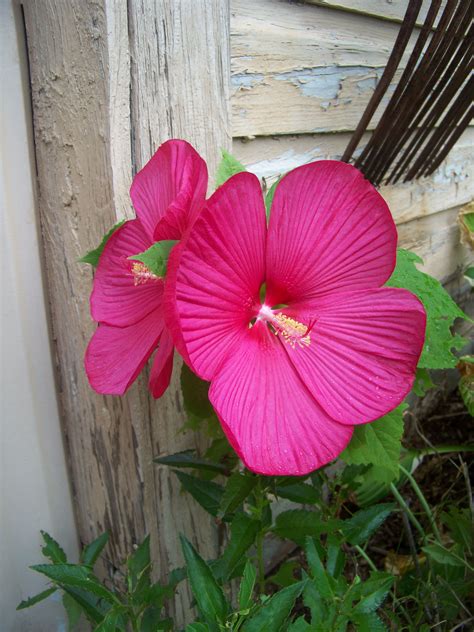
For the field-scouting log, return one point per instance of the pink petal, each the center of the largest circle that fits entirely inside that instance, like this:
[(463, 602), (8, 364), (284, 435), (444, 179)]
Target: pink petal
[(329, 230), (221, 271), (170, 189), (364, 350), (170, 308), (162, 366), (268, 414), (116, 355), (116, 299)]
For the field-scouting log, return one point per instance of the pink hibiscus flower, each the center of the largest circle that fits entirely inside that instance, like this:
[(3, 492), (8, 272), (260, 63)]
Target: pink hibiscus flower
[(127, 298), (327, 347)]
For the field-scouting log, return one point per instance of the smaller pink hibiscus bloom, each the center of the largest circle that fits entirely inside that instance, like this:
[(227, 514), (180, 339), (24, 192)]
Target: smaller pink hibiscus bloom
[(127, 298), (326, 347)]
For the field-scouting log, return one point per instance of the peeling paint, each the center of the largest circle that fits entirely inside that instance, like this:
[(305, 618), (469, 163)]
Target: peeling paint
[(271, 169), (246, 80), (326, 83)]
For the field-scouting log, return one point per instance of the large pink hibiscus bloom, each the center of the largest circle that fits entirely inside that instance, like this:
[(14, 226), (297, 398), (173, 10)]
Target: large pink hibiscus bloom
[(127, 298), (327, 347)]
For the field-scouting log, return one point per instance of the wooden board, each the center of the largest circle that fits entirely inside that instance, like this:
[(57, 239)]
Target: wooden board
[(90, 137), (298, 68), (450, 185), (393, 10)]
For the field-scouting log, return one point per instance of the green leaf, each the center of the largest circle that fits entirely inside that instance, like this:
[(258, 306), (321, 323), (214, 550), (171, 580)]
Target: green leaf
[(378, 443), (322, 579), (156, 257), (237, 488), (91, 605), (423, 382), (269, 197), (469, 274), (275, 611), (139, 563), (247, 585), (441, 311), (227, 168), (468, 220), (371, 592), (285, 576), (440, 554), (75, 575), (207, 592), (31, 601), (112, 621), (368, 622), (365, 522), (297, 524), (92, 551), (207, 493), (195, 394), (300, 625), (299, 493), (313, 600), (73, 611), (93, 256), (197, 627), (189, 459), (466, 389), (335, 556), (244, 531), (52, 550), (459, 524)]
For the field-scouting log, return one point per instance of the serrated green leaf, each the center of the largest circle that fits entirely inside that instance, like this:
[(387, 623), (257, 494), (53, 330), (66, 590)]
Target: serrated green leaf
[(195, 394), (139, 564), (370, 593), (378, 443), (247, 585), (322, 579), (227, 168), (31, 601), (91, 552), (156, 257), (52, 550), (189, 459), (207, 493), (73, 611), (365, 522), (368, 622), (297, 524), (93, 256), (94, 608), (207, 592), (298, 493), (335, 555), (441, 311), (442, 555), (275, 611), (300, 625), (313, 600), (237, 488), (112, 621), (75, 575), (244, 531)]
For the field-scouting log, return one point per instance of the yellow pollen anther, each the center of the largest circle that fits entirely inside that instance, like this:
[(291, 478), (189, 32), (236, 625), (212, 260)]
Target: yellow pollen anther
[(141, 274), (292, 331)]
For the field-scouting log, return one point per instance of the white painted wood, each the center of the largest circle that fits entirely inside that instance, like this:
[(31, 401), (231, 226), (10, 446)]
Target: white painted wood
[(451, 185), (34, 484), (393, 10), (298, 68)]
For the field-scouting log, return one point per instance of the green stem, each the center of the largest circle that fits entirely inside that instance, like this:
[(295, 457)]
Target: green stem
[(408, 511), (363, 554), (423, 501), (260, 500)]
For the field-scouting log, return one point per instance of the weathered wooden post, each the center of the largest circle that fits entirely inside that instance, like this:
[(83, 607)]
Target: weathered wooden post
[(111, 80)]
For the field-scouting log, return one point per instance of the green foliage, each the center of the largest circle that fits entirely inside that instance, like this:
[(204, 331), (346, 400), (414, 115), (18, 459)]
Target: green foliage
[(269, 197), (365, 522), (297, 524), (106, 608), (275, 611), (243, 534), (441, 311), (423, 382), (156, 257), (378, 443), (247, 586), (227, 168), (207, 592), (93, 256), (237, 489), (188, 459), (207, 493)]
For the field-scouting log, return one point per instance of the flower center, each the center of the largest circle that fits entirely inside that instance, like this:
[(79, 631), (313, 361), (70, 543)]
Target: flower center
[(142, 274), (291, 330)]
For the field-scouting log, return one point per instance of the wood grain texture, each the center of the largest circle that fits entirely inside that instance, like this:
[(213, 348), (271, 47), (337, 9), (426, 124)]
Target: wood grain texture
[(392, 10), (111, 80), (451, 185), (299, 68)]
